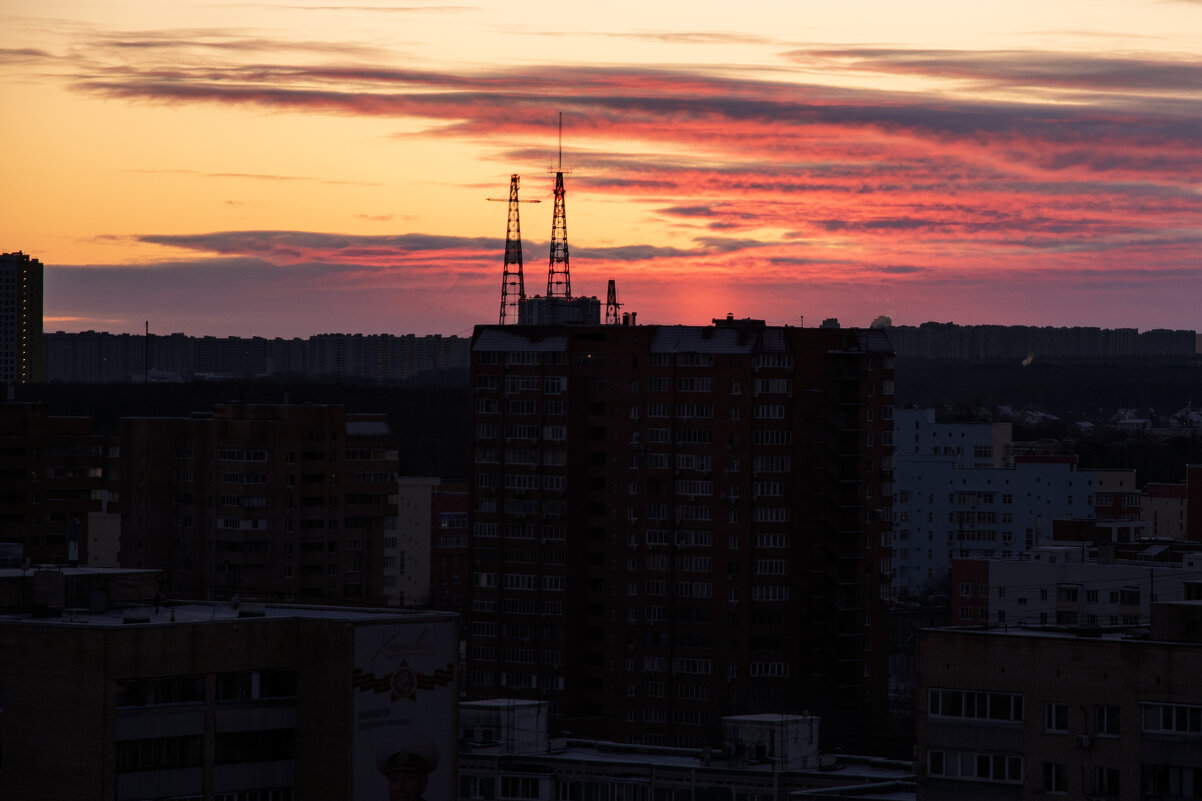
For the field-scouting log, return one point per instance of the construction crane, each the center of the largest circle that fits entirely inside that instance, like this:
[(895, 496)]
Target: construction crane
[(513, 284)]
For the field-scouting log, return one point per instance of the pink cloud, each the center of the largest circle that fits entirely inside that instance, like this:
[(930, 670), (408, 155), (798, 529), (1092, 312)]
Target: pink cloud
[(792, 194)]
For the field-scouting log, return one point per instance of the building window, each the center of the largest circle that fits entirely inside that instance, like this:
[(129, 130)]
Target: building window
[(1106, 720), (1055, 777), (1107, 782), (1055, 717), (1172, 718), (519, 787), (972, 766), (1161, 781), (160, 691), (159, 753), (255, 746), (971, 704), (481, 788)]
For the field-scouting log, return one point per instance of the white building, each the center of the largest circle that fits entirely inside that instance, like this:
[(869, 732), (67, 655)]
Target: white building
[(960, 493), (407, 556), (504, 725), (915, 433), (1066, 585), (505, 754)]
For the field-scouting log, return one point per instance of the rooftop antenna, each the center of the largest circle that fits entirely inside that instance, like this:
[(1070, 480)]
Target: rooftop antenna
[(611, 304), (513, 284), (559, 280)]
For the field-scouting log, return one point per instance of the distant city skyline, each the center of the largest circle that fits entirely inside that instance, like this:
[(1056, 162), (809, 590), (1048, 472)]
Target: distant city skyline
[(253, 169)]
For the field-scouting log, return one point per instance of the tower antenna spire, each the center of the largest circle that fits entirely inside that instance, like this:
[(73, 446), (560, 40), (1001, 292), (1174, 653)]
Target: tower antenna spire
[(559, 280), (513, 283), (611, 304)]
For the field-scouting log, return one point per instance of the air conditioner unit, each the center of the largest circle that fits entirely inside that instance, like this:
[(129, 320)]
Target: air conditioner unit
[(1083, 740)]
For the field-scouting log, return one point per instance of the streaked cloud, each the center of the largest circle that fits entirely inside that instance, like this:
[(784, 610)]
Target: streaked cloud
[(377, 9), (250, 176), (22, 55), (985, 176), (1027, 69)]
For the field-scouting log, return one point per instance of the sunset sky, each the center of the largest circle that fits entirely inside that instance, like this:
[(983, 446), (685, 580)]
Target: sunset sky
[(297, 167)]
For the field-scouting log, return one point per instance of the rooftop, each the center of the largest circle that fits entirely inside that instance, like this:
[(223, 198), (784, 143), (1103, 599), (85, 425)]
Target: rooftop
[(171, 612), (16, 572), (862, 769), (500, 703)]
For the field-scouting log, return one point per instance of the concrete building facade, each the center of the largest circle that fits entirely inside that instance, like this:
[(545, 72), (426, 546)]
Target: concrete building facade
[(54, 492), (1030, 714), (961, 493), (94, 357), (213, 701), (21, 290), (450, 558), (1067, 586), (716, 499), (278, 501), (408, 559), (506, 753)]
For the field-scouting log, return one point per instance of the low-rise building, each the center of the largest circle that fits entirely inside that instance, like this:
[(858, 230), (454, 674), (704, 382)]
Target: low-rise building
[(140, 698), (505, 754), (1175, 510), (1064, 585), (1035, 713)]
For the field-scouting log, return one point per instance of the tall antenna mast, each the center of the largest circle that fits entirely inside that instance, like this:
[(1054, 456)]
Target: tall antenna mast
[(611, 304), (559, 280), (513, 284)]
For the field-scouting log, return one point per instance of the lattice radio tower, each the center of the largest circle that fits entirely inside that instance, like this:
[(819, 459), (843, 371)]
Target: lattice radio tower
[(513, 284), (611, 304), (559, 280)]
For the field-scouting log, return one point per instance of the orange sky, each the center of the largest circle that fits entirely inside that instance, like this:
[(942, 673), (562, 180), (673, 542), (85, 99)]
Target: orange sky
[(290, 168)]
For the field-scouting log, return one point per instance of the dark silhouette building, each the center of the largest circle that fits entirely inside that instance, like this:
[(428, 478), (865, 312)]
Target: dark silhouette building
[(93, 357), (278, 501), (676, 523), (450, 560), (112, 694), (20, 319), (53, 488), (1031, 713)]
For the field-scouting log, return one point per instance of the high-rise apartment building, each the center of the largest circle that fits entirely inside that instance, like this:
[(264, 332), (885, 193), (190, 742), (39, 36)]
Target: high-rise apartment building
[(450, 561), (20, 319), (53, 492), (279, 501), (963, 493), (675, 523)]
